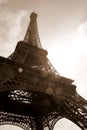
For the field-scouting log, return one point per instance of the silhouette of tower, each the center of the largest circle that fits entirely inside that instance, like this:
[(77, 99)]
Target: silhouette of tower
[(32, 94)]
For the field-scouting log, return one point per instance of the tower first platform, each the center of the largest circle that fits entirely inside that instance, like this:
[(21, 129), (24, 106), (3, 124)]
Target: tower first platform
[(32, 93)]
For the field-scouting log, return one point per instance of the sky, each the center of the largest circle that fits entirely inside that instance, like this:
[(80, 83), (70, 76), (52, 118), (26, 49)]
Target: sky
[(62, 26)]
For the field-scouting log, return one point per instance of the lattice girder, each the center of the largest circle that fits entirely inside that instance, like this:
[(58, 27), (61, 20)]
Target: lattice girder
[(22, 77), (63, 94), (76, 111), (32, 93)]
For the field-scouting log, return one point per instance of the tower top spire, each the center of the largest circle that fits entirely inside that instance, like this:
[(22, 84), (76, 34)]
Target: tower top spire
[(33, 15), (32, 35)]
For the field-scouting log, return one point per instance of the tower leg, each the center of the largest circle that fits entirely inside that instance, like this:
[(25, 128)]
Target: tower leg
[(39, 124)]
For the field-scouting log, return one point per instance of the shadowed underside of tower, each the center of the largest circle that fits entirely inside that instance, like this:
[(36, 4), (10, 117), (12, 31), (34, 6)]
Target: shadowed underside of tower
[(32, 93)]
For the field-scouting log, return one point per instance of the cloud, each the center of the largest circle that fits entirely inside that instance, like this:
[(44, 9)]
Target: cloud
[(70, 58), (10, 127), (79, 49), (3, 1), (65, 124), (10, 30)]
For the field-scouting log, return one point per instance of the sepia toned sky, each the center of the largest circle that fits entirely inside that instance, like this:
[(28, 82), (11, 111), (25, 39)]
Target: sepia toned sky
[(62, 26)]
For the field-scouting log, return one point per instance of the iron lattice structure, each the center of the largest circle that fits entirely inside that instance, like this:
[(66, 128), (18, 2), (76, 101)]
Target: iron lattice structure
[(32, 94)]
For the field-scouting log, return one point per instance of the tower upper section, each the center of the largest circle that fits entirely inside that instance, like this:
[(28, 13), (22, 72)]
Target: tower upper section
[(29, 51), (32, 35)]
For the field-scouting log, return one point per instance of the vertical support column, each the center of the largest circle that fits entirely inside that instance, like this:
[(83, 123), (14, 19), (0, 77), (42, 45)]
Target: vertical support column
[(39, 123)]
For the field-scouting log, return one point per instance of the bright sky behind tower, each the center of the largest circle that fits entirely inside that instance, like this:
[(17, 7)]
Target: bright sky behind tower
[(62, 26)]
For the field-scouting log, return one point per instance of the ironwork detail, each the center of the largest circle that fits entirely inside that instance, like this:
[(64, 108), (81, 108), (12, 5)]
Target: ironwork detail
[(32, 93), (32, 32)]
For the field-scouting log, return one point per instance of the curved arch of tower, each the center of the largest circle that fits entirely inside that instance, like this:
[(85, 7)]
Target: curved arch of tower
[(32, 93)]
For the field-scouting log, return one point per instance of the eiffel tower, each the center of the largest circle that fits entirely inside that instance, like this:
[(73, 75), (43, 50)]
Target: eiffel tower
[(33, 95)]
